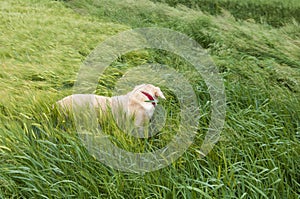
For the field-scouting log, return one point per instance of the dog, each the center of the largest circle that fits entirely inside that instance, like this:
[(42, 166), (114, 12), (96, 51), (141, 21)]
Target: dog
[(138, 104)]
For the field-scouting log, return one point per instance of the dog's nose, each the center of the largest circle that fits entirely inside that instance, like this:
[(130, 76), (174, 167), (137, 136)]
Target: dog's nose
[(160, 94)]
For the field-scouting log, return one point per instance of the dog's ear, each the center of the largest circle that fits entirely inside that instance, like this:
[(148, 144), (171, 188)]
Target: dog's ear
[(158, 93)]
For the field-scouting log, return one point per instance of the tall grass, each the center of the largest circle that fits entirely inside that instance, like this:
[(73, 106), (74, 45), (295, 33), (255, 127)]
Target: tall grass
[(273, 12), (43, 45)]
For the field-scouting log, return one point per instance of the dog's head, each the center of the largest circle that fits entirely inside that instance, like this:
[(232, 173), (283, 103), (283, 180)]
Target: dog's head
[(148, 93)]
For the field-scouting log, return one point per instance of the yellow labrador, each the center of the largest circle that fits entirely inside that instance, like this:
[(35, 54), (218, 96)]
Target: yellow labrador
[(139, 103)]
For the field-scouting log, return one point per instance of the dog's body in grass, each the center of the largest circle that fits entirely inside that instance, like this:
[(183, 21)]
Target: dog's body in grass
[(139, 103)]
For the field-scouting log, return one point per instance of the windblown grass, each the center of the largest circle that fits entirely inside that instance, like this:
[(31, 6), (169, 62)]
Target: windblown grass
[(273, 12), (42, 46)]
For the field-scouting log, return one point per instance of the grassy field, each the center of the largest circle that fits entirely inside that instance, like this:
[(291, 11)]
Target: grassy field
[(273, 12), (43, 44)]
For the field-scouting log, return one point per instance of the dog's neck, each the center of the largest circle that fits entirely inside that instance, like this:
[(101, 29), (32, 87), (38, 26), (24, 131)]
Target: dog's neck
[(150, 97)]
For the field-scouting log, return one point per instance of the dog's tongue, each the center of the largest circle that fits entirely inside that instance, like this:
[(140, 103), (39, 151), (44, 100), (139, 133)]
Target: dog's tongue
[(151, 99)]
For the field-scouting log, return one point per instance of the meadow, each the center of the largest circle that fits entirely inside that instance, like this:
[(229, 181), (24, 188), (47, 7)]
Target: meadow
[(255, 45)]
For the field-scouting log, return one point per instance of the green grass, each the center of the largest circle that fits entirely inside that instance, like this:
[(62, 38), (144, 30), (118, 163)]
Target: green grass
[(43, 44), (273, 12)]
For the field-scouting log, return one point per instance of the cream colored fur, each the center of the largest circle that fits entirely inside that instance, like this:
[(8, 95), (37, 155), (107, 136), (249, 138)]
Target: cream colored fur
[(134, 104)]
